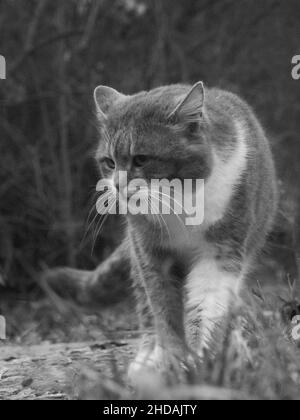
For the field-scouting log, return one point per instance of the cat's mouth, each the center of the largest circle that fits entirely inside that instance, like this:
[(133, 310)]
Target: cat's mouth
[(126, 195), (148, 201)]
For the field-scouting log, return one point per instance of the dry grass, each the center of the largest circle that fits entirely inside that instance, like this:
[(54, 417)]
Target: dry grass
[(257, 360)]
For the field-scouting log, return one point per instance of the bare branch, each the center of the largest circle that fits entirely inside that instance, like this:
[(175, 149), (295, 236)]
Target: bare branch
[(41, 6), (90, 25)]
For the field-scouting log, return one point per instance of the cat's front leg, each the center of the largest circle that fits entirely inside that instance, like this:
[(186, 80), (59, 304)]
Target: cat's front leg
[(212, 292), (145, 322), (167, 351)]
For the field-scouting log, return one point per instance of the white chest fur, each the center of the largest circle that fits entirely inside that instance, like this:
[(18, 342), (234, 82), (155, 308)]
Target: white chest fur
[(225, 176), (218, 191)]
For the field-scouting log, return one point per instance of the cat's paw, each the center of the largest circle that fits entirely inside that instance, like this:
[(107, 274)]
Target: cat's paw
[(142, 358), (171, 365)]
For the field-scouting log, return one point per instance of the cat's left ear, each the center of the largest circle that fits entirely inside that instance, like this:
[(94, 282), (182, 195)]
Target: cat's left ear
[(190, 108)]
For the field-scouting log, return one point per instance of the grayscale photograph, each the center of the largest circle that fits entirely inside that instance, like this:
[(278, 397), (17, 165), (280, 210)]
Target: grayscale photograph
[(149, 202)]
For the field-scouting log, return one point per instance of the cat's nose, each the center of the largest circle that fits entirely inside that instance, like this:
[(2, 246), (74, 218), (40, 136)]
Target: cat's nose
[(122, 192), (120, 181), (120, 188)]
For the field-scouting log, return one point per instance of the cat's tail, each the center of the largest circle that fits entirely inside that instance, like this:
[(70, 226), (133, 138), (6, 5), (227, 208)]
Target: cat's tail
[(107, 284)]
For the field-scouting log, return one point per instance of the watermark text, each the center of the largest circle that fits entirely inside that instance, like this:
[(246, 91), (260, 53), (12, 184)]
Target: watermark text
[(2, 328), (296, 67), (156, 197), (2, 67), (296, 328)]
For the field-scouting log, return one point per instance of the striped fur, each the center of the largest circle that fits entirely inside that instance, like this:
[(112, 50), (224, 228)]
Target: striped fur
[(187, 277)]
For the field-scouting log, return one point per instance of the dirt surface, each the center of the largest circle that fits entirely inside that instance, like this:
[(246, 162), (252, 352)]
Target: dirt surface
[(59, 351), (58, 371), (55, 350)]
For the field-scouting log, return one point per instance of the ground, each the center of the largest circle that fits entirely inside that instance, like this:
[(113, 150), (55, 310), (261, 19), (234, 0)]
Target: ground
[(56, 350), (49, 354), (59, 371)]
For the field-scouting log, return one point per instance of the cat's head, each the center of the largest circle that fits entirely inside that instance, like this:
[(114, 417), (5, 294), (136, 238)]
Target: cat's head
[(159, 134)]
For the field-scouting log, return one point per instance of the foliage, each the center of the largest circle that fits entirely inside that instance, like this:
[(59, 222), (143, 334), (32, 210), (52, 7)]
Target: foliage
[(57, 52)]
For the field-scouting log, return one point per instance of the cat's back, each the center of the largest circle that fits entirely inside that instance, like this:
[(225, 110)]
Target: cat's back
[(230, 112)]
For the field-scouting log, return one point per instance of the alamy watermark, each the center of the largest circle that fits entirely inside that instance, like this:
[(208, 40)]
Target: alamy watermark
[(2, 67), (2, 328), (158, 197), (296, 67), (296, 328)]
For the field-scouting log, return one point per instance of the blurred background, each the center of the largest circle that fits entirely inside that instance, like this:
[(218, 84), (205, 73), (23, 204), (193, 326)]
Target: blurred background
[(57, 52)]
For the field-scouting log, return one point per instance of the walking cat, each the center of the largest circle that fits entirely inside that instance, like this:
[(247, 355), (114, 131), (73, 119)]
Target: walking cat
[(188, 280)]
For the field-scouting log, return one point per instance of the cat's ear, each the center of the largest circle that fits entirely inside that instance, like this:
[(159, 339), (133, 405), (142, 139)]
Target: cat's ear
[(105, 97), (190, 108)]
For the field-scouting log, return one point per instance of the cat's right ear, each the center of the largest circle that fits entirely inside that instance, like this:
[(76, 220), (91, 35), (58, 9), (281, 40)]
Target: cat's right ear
[(105, 97)]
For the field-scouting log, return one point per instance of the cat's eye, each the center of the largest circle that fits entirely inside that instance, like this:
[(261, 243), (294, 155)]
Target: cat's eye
[(109, 163), (140, 160), (193, 128)]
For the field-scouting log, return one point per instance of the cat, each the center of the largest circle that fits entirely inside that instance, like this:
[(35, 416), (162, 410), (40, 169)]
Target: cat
[(187, 278)]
